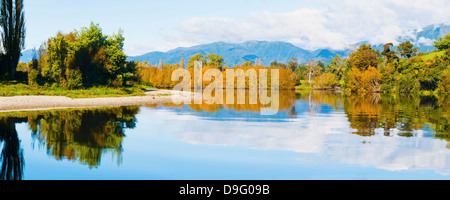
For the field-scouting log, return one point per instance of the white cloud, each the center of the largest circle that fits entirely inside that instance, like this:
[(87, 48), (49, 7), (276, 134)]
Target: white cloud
[(425, 41), (325, 139), (334, 24)]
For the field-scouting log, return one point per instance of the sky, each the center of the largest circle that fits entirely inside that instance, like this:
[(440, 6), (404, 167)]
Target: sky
[(164, 25)]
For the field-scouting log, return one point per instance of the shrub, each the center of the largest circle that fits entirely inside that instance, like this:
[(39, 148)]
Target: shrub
[(33, 77), (444, 84), (74, 79), (408, 84), (326, 81)]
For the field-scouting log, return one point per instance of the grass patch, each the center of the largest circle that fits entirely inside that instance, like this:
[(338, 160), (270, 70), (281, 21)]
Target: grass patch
[(431, 56), (20, 89), (304, 86)]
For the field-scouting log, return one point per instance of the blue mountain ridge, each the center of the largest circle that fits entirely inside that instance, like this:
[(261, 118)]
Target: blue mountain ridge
[(269, 51), (235, 54)]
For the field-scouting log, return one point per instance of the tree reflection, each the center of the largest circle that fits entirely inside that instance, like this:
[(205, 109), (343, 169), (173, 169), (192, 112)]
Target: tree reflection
[(404, 113), (12, 161), (363, 113), (76, 135), (242, 103), (84, 135)]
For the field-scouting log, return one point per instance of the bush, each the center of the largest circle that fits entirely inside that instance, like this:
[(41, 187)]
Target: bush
[(444, 84), (326, 81), (74, 79), (408, 84), (34, 78)]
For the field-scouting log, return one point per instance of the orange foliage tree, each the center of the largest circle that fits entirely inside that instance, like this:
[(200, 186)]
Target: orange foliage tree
[(362, 74), (161, 77)]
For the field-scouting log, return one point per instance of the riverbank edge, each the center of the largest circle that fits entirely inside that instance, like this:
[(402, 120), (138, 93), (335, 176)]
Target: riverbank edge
[(39, 103)]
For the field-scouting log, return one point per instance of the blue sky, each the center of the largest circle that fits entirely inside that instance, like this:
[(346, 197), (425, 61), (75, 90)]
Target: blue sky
[(164, 25)]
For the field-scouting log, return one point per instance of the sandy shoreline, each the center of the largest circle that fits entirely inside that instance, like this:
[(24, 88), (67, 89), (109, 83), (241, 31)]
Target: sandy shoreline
[(32, 103)]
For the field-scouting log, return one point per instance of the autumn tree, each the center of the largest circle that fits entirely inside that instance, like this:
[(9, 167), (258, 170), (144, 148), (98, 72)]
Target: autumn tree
[(12, 22), (313, 70), (325, 81), (247, 64), (363, 75)]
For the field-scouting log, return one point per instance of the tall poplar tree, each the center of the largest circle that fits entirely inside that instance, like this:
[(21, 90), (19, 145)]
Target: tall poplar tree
[(12, 22)]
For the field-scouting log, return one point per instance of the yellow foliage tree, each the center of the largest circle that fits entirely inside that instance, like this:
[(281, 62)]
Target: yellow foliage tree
[(325, 81), (363, 81)]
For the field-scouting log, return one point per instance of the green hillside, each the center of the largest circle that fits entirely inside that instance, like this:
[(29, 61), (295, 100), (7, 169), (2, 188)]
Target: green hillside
[(433, 55)]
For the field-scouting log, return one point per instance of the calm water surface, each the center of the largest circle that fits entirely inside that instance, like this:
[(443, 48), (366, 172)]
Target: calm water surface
[(314, 136)]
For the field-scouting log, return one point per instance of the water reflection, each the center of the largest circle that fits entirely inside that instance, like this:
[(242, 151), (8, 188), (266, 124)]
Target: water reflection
[(83, 135), (386, 131), (12, 160), (244, 111), (401, 115), (75, 135)]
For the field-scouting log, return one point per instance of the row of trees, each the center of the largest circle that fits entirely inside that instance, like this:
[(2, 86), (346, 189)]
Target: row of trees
[(160, 76), (394, 71), (89, 58)]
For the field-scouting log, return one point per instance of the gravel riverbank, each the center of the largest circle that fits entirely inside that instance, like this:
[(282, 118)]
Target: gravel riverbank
[(29, 103)]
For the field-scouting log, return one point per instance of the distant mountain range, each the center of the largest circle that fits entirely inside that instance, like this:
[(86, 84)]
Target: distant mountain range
[(239, 53), (274, 50)]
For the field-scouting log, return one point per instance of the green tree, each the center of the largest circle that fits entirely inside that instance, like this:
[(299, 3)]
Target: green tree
[(388, 53), (407, 50), (114, 49), (443, 43), (12, 21), (444, 84), (58, 52), (215, 60), (277, 64), (293, 64), (337, 67), (198, 57), (363, 58), (85, 58)]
